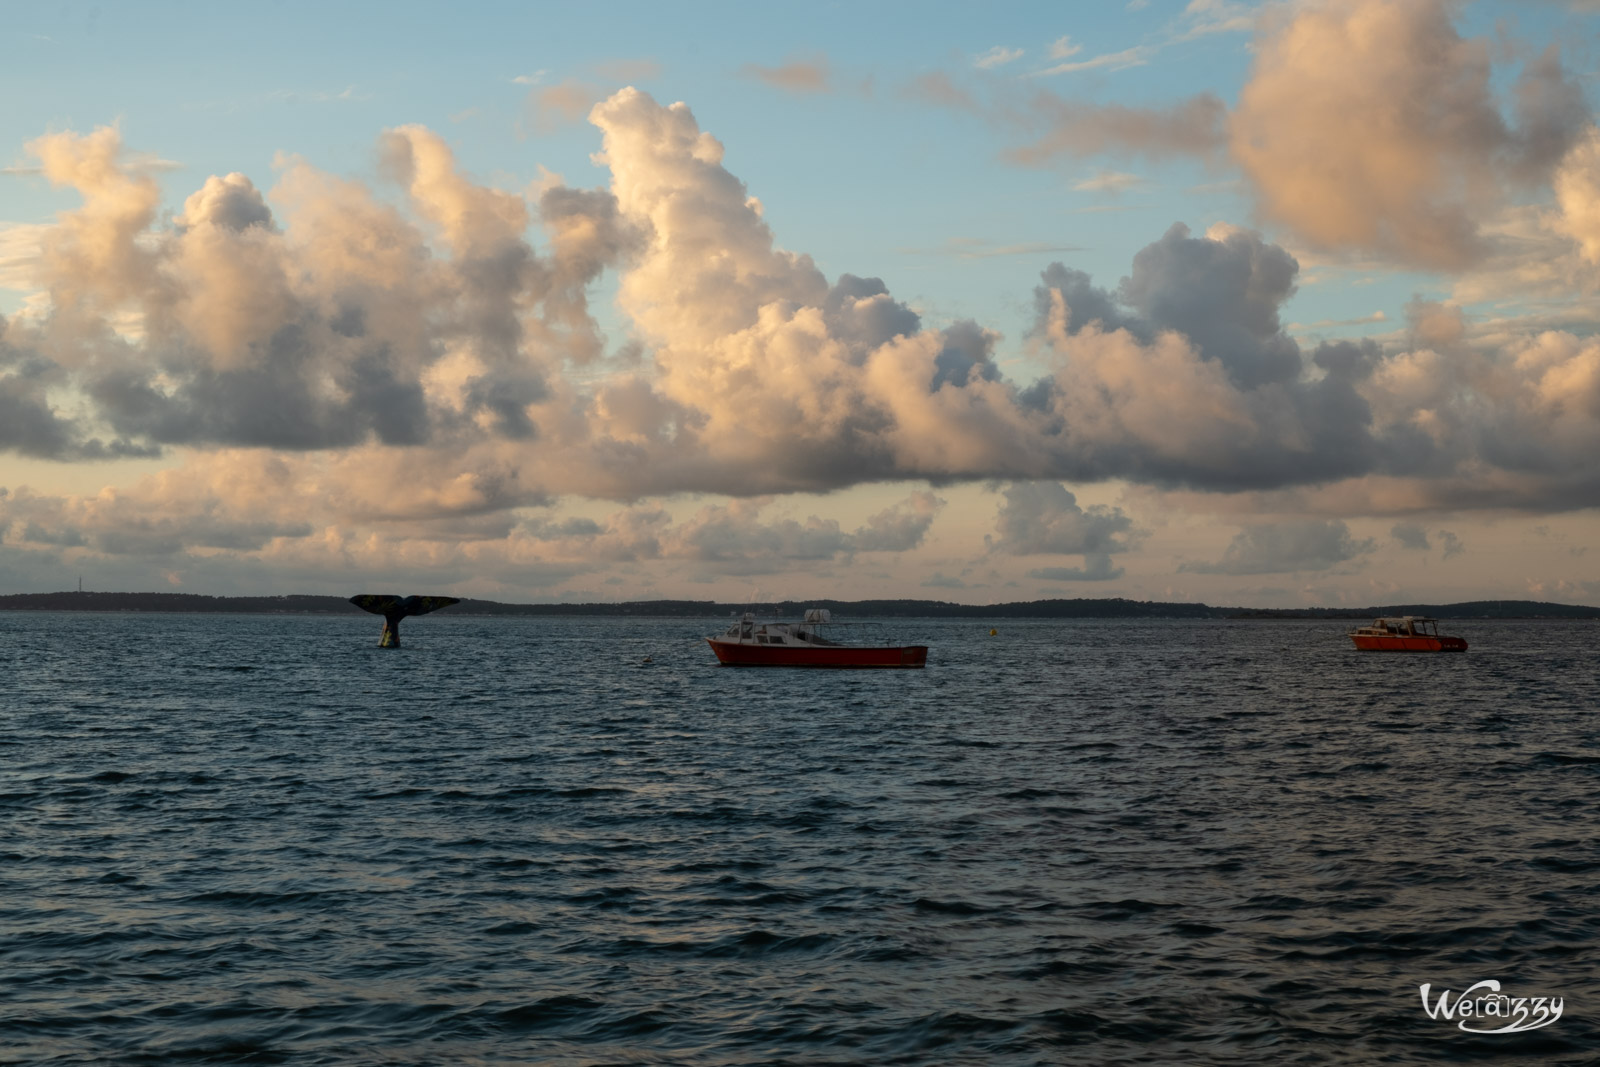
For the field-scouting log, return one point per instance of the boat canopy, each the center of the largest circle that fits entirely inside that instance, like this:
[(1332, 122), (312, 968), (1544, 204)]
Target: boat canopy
[(1404, 625), (818, 615)]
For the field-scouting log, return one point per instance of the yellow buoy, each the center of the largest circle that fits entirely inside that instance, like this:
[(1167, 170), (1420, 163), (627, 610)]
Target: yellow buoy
[(993, 633)]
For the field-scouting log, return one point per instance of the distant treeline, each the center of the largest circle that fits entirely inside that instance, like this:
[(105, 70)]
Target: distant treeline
[(1116, 608)]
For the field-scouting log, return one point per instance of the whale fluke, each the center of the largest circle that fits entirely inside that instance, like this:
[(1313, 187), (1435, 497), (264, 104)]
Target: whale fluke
[(394, 608)]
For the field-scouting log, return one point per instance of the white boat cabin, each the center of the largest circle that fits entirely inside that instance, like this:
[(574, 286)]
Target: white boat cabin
[(1406, 626), (804, 634)]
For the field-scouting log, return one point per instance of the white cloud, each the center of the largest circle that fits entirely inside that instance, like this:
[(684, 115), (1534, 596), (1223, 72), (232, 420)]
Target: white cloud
[(1063, 48), (998, 56), (1205, 17), (1110, 181), (1136, 56)]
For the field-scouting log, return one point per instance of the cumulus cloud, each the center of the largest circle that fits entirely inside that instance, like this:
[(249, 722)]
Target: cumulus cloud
[(1577, 186), (1373, 125), (328, 330), (1185, 374), (1281, 548), (1366, 127), (425, 353)]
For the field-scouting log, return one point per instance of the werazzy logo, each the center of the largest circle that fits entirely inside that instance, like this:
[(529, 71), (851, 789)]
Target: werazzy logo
[(1484, 1005)]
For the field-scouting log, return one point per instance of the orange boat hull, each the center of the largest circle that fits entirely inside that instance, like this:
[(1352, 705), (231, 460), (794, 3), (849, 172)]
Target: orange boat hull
[(1401, 643), (734, 654)]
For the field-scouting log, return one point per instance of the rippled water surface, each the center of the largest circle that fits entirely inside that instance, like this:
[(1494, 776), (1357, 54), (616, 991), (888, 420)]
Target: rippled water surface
[(261, 839)]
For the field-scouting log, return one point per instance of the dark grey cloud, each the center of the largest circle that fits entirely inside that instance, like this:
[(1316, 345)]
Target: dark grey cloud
[(1302, 417), (1222, 294), (899, 528), (1285, 547), (965, 357), (728, 537), (736, 540), (1097, 567), (1411, 535), (1043, 518), (29, 424), (123, 526), (278, 402), (1084, 303), (861, 313)]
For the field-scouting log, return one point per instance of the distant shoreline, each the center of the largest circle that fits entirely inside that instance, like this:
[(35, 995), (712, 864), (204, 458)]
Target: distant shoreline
[(1116, 608)]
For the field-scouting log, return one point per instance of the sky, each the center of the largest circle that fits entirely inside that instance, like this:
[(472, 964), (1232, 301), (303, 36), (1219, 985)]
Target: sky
[(1266, 304)]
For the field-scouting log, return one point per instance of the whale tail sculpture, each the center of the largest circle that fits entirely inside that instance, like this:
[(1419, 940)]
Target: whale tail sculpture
[(394, 608)]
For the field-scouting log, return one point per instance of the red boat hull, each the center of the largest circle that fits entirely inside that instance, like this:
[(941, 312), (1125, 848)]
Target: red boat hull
[(1404, 643), (734, 654)]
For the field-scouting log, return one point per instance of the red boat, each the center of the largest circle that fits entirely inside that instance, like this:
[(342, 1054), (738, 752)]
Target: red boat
[(748, 643), (1413, 633)]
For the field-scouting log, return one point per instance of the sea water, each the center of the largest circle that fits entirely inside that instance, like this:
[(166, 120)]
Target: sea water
[(261, 839)]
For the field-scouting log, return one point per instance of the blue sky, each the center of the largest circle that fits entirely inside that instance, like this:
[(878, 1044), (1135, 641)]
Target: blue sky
[(884, 141)]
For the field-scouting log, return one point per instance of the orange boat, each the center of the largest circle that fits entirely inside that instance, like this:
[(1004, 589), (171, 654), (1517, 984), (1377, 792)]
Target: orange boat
[(1412, 633), (748, 643)]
